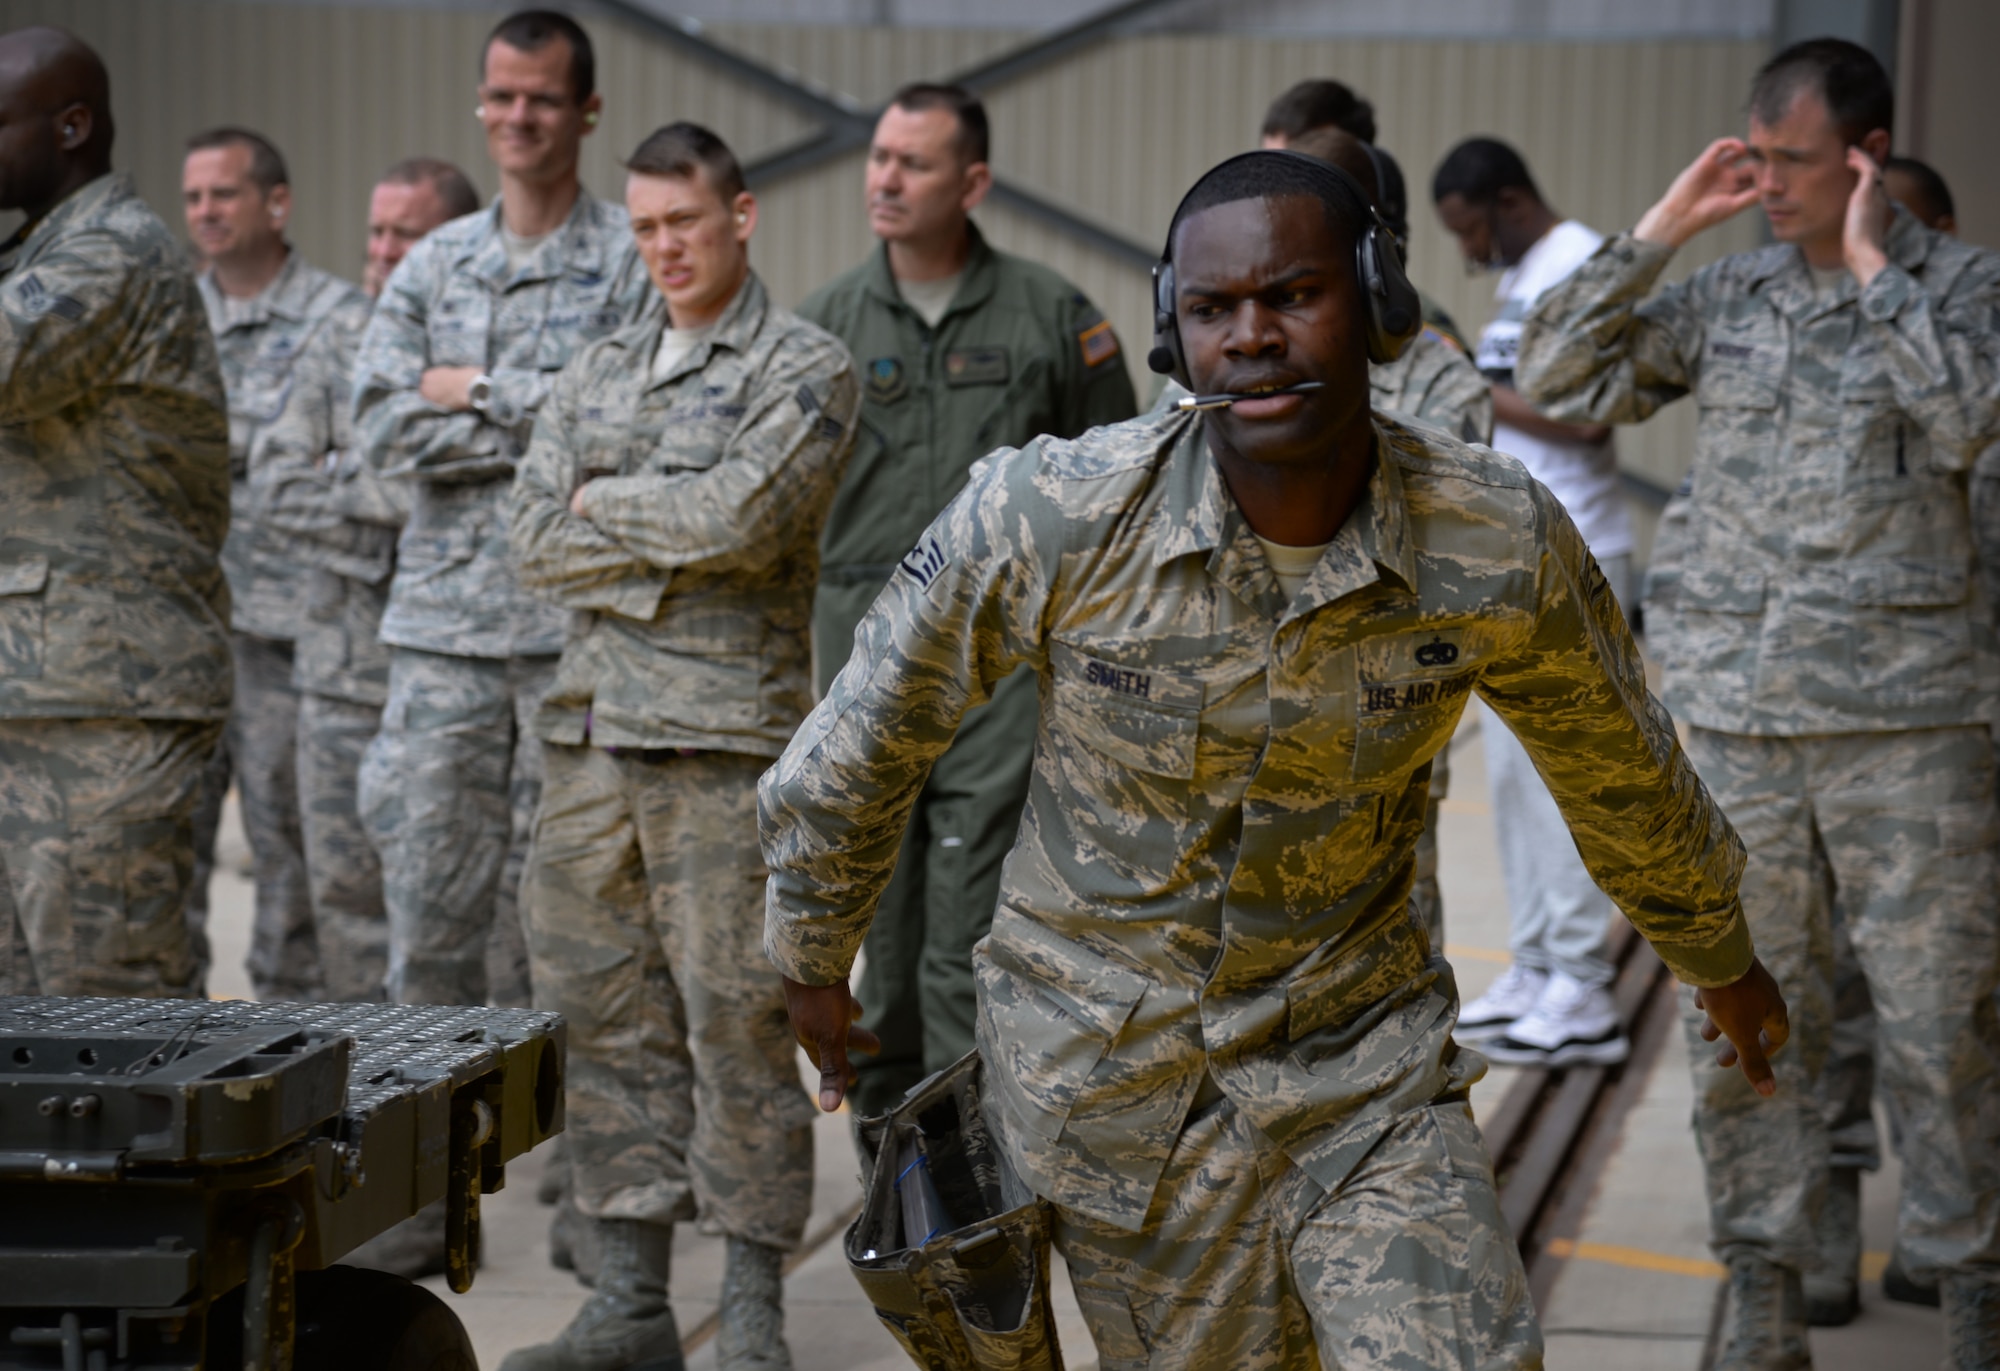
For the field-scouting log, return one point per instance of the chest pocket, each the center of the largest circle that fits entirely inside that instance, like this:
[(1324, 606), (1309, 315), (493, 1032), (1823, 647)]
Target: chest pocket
[(696, 433), (1401, 724), (1742, 365), (1138, 717), (459, 326)]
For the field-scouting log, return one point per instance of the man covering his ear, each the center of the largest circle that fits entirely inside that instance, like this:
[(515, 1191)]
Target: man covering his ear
[(1213, 1039)]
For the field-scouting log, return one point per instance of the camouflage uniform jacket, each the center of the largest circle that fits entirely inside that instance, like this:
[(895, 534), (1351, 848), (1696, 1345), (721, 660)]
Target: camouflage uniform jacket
[(1020, 352), (1826, 583), (453, 302), (338, 516), (694, 565), (1433, 382), (260, 342), (1214, 869), (114, 471)]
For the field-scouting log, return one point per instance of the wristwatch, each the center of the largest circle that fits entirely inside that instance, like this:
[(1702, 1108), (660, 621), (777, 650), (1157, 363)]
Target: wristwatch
[(480, 393)]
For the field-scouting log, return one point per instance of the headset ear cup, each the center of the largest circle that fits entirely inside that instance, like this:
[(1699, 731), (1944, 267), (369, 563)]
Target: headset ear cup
[(1395, 312), (1165, 358)]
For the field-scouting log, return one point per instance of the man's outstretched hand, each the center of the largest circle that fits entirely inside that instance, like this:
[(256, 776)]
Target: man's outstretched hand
[(1750, 1012), (823, 1020)]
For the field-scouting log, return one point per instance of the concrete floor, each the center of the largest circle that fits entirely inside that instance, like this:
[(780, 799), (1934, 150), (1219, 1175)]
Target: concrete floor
[(1637, 1291)]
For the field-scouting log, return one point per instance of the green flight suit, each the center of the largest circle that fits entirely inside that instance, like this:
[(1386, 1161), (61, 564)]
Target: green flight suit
[(1019, 352)]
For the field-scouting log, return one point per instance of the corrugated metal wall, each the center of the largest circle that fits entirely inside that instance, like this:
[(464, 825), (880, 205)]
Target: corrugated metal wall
[(1116, 133)]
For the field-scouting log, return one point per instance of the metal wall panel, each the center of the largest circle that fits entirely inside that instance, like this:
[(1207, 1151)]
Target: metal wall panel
[(1116, 133)]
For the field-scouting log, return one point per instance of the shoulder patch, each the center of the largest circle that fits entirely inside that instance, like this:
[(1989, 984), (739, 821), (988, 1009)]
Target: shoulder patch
[(1098, 342), (41, 301), (924, 563)]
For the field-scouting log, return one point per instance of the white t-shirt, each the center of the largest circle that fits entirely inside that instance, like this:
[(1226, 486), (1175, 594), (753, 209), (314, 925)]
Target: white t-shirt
[(675, 345), (1584, 476), (1293, 566), (930, 299)]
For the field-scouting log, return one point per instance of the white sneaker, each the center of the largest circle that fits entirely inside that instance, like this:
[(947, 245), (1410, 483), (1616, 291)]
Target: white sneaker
[(1573, 1024), (1518, 991)]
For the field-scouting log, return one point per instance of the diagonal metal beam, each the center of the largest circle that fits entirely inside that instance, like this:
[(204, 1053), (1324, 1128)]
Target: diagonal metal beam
[(847, 126)]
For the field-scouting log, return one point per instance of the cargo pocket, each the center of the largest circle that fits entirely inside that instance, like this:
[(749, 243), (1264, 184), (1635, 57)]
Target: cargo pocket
[(21, 587), (1912, 631), (1966, 828), (128, 905), (1050, 1009)]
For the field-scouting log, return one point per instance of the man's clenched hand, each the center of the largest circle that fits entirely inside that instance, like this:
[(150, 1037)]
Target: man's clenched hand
[(823, 1020), (1750, 1011)]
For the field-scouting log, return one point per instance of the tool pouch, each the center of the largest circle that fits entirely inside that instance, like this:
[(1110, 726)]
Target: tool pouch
[(972, 1295)]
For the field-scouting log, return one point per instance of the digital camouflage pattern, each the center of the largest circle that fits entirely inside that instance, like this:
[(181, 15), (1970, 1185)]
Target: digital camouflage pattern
[(683, 1087), (114, 471), (97, 854), (339, 519), (1827, 582), (1899, 827), (1435, 383), (454, 302), (447, 790), (263, 736), (694, 561), (692, 565), (1215, 864), (1251, 1265), (261, 341), (1986, 523)]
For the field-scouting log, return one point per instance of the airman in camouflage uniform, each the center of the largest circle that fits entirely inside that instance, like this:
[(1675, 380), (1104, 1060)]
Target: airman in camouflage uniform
[(114, 502), (1434, 383), (261, 341), (675, 506), (448, 787), (1833, 655), (1214, 1039), (1014, 351), (340, 520)]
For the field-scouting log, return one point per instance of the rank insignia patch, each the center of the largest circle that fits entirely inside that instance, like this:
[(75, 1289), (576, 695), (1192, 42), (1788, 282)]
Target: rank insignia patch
[(886, 381), (1099, 343)]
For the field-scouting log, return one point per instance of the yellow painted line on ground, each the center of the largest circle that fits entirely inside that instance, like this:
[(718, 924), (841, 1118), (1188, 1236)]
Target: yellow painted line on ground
[(1636, 1258), (1639, 1259), (1461, 953)]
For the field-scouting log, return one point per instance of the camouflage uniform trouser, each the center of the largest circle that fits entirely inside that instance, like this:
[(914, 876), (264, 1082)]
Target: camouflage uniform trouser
[(97, 854), (1246, 1263), (448, 791), (916, 983), (1901, 829), (346, 875), (264, 747), (646, 931)]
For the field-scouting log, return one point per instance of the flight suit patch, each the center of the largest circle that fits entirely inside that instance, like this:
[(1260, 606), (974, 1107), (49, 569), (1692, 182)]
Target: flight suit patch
[(1098, 342), (886, 381), (977, 367)]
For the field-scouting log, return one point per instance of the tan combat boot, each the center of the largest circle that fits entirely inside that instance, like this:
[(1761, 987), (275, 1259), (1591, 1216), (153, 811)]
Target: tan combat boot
[(752, 1335), (1833, 1281), (1767, 1318), (626, 1324)]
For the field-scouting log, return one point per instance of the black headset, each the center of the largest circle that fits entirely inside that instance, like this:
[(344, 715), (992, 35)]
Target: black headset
[(1395, 313)]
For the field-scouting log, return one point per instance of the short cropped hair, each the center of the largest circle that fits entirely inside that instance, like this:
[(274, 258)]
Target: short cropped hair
[(686, 152), (1845, 75), (1479, 169), (1930, 186), (1271, 173), (975, 136), (267, 164), (533, 30), (454, 188), (1345, 151), (1319, 104)]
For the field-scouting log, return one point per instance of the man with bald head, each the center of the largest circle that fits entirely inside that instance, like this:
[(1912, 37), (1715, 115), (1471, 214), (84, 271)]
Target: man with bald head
[(114, 500)]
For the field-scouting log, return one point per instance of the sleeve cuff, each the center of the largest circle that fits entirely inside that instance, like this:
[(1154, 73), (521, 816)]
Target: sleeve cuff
[(1886, 295), (819, 966), (637, 599), (1722, 961)]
